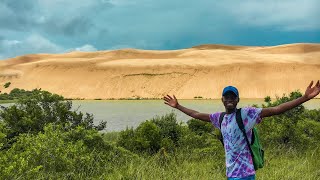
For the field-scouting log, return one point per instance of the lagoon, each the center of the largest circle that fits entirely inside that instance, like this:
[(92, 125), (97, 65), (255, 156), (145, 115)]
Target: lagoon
[(120, 114)]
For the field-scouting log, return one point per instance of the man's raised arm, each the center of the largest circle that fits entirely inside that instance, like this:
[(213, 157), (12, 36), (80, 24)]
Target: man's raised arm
[(173, 102), (310, 93)]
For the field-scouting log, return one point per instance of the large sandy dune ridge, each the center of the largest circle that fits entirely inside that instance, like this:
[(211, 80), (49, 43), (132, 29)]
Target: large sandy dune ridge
[(198, 71)]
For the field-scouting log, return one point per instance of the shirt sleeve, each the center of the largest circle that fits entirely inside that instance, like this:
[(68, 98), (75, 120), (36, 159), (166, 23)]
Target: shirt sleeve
[(214, 118), (251, 116)]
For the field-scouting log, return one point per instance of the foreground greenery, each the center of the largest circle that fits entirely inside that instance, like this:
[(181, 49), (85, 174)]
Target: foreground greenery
[(42, 138)]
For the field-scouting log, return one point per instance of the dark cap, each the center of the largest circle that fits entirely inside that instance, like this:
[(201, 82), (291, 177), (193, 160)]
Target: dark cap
[(230, 89)]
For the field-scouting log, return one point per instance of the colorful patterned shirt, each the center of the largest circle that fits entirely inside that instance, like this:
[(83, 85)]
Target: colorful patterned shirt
[(238, 158)]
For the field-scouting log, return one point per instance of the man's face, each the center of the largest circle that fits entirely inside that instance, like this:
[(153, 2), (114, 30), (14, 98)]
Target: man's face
[(230, 100)]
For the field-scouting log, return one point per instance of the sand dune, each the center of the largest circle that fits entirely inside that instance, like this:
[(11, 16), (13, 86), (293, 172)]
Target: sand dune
[(198, 71)]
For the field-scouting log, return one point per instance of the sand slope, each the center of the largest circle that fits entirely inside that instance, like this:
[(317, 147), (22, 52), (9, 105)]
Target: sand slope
[(198, 71)]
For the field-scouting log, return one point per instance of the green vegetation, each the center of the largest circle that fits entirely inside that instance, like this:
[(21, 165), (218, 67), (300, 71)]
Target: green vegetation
[(41, 138), (7, 101), (6, 85), (15, 94), (198, 97), (153, 74)]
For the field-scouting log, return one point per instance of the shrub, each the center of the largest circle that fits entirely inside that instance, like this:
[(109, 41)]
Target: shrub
[(58, 153), (191, 140), (199, 127), (169, 128), (295, 128), (145, 139), (148, 137), (30, 114), (151, 135)]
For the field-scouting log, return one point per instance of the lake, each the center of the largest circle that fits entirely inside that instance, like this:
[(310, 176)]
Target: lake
[(120, 114)]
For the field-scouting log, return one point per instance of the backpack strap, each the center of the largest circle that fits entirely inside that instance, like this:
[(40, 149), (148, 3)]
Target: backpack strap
[(221, 119), (220, 122), (241, 126)]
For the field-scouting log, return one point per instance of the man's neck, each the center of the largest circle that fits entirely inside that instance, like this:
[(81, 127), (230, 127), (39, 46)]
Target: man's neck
[(230, 111)]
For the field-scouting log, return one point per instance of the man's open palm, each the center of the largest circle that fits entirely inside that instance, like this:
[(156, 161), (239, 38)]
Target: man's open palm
[(312, 92), (173, 102)]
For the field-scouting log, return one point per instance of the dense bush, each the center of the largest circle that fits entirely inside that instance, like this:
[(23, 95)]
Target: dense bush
[(145, 139), (150, 136), (169, 127), (56, 152), (200, 127), (31, 113), (191, 140), (15, 93), (296, 127), (166, 133)]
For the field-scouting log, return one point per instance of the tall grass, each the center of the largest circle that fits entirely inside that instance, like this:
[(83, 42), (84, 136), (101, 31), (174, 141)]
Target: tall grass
[(283, 163)]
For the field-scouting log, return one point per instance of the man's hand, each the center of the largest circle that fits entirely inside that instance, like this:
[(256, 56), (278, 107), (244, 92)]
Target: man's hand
[(312, 92), (173, 102)]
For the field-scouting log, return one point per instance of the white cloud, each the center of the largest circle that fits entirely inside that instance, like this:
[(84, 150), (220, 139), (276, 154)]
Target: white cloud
[(86, 48), (288, 15), (34, 43), (10, 43), (41, 44)]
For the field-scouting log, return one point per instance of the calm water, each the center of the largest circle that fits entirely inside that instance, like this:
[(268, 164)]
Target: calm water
[(130, 113)]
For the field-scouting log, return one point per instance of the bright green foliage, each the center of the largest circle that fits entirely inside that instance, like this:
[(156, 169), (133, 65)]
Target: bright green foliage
[(148, 137), (169, 128), (165, 132), (199, 127), (167, 144), (56, 152), (15, 93), (191, 140), (293, 113), (313, 114), (151, 135), (3, 134), (127, 139), (296, 127), (31, 113), (145, 139)]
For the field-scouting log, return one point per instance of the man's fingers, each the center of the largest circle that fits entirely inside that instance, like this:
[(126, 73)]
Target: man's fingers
[(169, 96), (317, 84), (310, 85), (174, 97), (166, 99)]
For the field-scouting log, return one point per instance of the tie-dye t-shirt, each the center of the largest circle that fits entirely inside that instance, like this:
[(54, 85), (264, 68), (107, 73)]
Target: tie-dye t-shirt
[(238, 158)]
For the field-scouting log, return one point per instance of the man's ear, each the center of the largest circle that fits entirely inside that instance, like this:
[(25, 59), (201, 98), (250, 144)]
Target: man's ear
[(222, 99), (238, 99)]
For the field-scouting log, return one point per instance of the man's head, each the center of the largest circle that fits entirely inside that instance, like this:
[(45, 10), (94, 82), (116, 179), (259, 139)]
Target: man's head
[(230, 97)]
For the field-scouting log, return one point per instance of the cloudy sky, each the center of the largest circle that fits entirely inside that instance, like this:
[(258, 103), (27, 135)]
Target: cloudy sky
[(58, 26)]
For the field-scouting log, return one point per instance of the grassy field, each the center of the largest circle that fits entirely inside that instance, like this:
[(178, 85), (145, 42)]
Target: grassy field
[(281, 163), (7, 101)]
